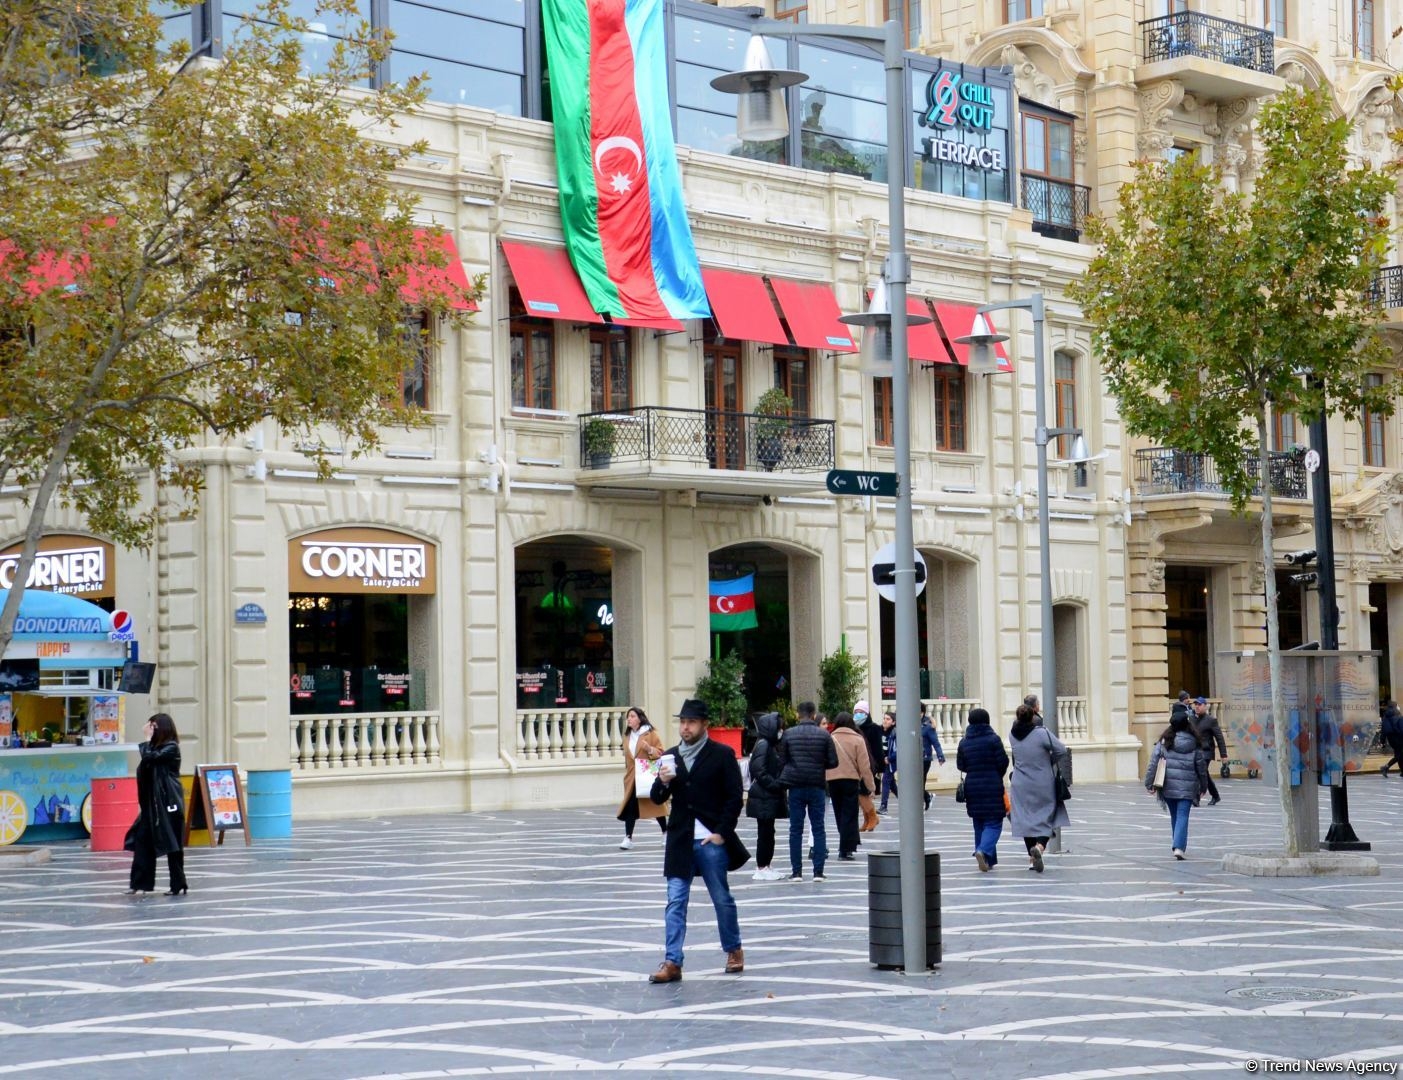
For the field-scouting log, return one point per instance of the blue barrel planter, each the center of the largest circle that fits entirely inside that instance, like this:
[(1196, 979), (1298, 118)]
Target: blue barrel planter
[(270, 804)]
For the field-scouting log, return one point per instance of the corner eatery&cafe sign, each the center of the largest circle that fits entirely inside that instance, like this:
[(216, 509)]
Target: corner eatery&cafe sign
[(360, 560)]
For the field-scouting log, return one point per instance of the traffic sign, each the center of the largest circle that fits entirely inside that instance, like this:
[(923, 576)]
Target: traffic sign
[(852, 482), (884, 572)]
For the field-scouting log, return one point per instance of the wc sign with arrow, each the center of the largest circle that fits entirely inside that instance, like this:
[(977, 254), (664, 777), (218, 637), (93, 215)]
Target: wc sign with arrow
[(853, 482)]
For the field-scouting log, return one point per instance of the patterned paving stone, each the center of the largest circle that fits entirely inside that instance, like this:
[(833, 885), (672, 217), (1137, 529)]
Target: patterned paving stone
[(519, 944)]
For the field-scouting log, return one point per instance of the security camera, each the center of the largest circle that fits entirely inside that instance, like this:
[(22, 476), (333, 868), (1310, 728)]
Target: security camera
[(1309, 578), (1300, 558)]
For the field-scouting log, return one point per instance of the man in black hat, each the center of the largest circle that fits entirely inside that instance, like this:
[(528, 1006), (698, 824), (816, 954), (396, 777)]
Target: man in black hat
[(702, 778)]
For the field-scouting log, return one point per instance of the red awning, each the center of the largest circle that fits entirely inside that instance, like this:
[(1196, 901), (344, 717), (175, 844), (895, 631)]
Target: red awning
[(35, 276), (547, 282), (812, 312), (450, 278), (742, 307), (957, 320), (923, 342), (550, 288)]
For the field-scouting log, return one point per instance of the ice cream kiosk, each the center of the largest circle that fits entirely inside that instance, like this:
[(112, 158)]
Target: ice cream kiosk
[(62, 713)]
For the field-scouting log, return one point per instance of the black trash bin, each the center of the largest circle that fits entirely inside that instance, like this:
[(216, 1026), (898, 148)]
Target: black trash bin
[(884, 938)]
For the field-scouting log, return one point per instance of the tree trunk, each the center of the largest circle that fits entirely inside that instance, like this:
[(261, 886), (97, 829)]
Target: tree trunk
[(38, 512), (1290, 829)]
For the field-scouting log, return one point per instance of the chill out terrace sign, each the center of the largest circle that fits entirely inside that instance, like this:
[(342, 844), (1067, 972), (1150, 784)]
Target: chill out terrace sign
[(963, 107), (354, 560)]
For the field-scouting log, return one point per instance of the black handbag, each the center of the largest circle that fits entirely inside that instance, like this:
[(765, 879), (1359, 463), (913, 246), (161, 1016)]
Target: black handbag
[(960, 789), (1060, 787)]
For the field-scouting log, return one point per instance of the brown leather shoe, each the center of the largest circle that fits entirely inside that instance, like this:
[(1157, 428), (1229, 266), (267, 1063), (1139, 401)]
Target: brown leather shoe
[(667, 972), (735, 961)]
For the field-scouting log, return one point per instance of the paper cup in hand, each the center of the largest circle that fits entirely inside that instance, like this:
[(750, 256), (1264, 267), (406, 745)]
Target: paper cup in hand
[(667, 766)]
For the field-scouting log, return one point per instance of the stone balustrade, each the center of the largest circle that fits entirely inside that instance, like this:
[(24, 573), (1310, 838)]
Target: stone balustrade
[(365, 741), (563, 735)]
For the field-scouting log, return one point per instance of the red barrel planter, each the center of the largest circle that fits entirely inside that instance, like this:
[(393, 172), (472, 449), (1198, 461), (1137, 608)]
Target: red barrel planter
[(727, 736), (114, 810)]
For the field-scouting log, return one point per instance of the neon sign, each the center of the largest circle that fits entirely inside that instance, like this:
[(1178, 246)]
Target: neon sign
[(954, 101)]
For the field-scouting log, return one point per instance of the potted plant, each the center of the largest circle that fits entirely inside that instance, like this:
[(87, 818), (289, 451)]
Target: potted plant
[(841, 676), (598, 438), (773, 411), (723, 690)]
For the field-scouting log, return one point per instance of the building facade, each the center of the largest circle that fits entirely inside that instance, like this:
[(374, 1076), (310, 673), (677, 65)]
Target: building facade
[(461, 620)]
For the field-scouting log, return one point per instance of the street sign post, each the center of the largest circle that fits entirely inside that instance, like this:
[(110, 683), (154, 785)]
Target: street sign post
[(884, 572), (853, 482)]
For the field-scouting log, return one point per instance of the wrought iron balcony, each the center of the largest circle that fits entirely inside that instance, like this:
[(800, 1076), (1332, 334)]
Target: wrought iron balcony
[(1059, 208), (1192, 33), (710, 438), (1387, 290), (1164, 471)]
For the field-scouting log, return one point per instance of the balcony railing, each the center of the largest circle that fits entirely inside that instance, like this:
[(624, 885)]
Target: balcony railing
[(711, 438), (1192, 33), (1165, 471), (1387, 290), (1059, 208)]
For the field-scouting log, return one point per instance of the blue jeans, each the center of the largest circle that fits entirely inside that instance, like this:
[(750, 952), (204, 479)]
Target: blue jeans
[(1179, 821), (888, 786), (986, 837), (814, 801), (709, 861)]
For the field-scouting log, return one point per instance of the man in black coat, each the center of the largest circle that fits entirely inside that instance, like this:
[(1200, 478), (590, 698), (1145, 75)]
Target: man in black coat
[(1391, 728), (806, 753), (1210, 737), (702, 778)]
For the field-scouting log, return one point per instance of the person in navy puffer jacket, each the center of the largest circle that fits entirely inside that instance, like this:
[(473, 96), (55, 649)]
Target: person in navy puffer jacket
[(1185, 775), (982, 758)]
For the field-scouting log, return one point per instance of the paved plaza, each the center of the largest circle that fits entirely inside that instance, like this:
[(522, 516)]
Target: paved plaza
[(486, 944)]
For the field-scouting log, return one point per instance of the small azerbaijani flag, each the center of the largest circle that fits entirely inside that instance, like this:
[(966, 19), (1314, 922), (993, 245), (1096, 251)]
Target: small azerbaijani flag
[(621, 201), (733, 604)]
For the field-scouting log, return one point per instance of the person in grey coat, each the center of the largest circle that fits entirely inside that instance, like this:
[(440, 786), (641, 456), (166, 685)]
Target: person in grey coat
[(1185, 775), (1035, 810)]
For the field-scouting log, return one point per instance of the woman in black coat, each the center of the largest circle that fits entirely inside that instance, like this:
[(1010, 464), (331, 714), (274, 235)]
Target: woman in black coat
[(160, 823), (983, 760), (767, 800)]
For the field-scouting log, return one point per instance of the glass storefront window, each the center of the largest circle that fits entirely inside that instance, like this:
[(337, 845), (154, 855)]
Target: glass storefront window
[(429, 37), (565, 627), (706, 118), (350, 653)]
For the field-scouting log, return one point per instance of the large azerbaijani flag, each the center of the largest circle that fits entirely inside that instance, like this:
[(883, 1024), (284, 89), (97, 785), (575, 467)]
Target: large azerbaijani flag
[(733, 604), (620, 188)]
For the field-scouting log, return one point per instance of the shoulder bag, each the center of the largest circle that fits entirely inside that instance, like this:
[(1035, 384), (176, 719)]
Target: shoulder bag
[(1060, 787), (960, 789)]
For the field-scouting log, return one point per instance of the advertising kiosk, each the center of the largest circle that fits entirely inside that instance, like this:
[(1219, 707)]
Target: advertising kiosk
[(61, 714)]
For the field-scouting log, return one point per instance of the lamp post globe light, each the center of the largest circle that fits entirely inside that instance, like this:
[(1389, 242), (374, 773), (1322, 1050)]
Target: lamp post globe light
[(981, 340), (762, 109)]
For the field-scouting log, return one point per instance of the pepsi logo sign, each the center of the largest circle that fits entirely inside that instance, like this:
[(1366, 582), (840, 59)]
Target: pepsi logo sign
[(123, 628)]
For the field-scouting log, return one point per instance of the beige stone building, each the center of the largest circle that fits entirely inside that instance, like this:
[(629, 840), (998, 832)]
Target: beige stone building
[(1148, 80), (461, 620)]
